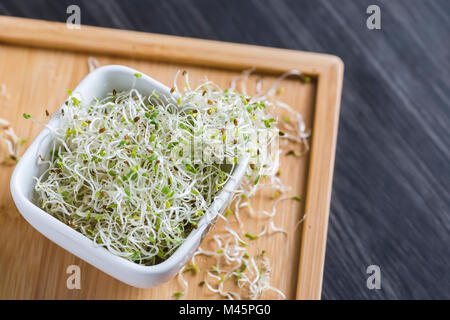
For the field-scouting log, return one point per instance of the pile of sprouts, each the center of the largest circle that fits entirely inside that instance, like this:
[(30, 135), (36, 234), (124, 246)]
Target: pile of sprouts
[(123, 170), (233, 263), (137, 173)]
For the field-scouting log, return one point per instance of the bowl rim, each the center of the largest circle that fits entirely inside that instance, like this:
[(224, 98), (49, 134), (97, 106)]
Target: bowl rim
[(24, 203)]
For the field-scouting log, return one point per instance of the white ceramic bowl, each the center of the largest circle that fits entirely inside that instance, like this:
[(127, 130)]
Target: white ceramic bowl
[(97, 84)]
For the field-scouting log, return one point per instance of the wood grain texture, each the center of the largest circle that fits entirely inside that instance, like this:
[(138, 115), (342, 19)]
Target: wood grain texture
[(51, 66), (391, 201)]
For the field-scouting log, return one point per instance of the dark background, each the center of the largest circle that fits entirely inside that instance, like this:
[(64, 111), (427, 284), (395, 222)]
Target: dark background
[(391, 193)]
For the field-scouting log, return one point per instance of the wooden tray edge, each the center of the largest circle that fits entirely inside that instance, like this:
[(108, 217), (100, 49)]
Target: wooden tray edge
[(134, 44), (319, 183)]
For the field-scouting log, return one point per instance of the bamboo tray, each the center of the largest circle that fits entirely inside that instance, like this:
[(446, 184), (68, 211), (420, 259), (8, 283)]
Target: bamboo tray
[(40, 60)]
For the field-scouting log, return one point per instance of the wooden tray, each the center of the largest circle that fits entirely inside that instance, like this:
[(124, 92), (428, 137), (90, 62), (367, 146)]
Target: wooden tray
[(40, 60)]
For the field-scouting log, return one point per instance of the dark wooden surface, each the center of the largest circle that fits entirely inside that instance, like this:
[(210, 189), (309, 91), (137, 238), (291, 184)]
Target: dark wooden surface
[(391, 191)]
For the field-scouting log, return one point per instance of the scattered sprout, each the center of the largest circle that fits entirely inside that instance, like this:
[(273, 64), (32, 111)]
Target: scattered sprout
[(251, 236), (294, 153), (228, 212), (306, 78), (275, 195), (12, 141), (194, 268)]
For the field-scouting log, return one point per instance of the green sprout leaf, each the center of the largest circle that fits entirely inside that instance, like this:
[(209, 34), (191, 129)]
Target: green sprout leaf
[(251, 236)]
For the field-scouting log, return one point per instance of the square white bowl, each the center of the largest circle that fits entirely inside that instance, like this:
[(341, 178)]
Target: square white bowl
[(97, 84)]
